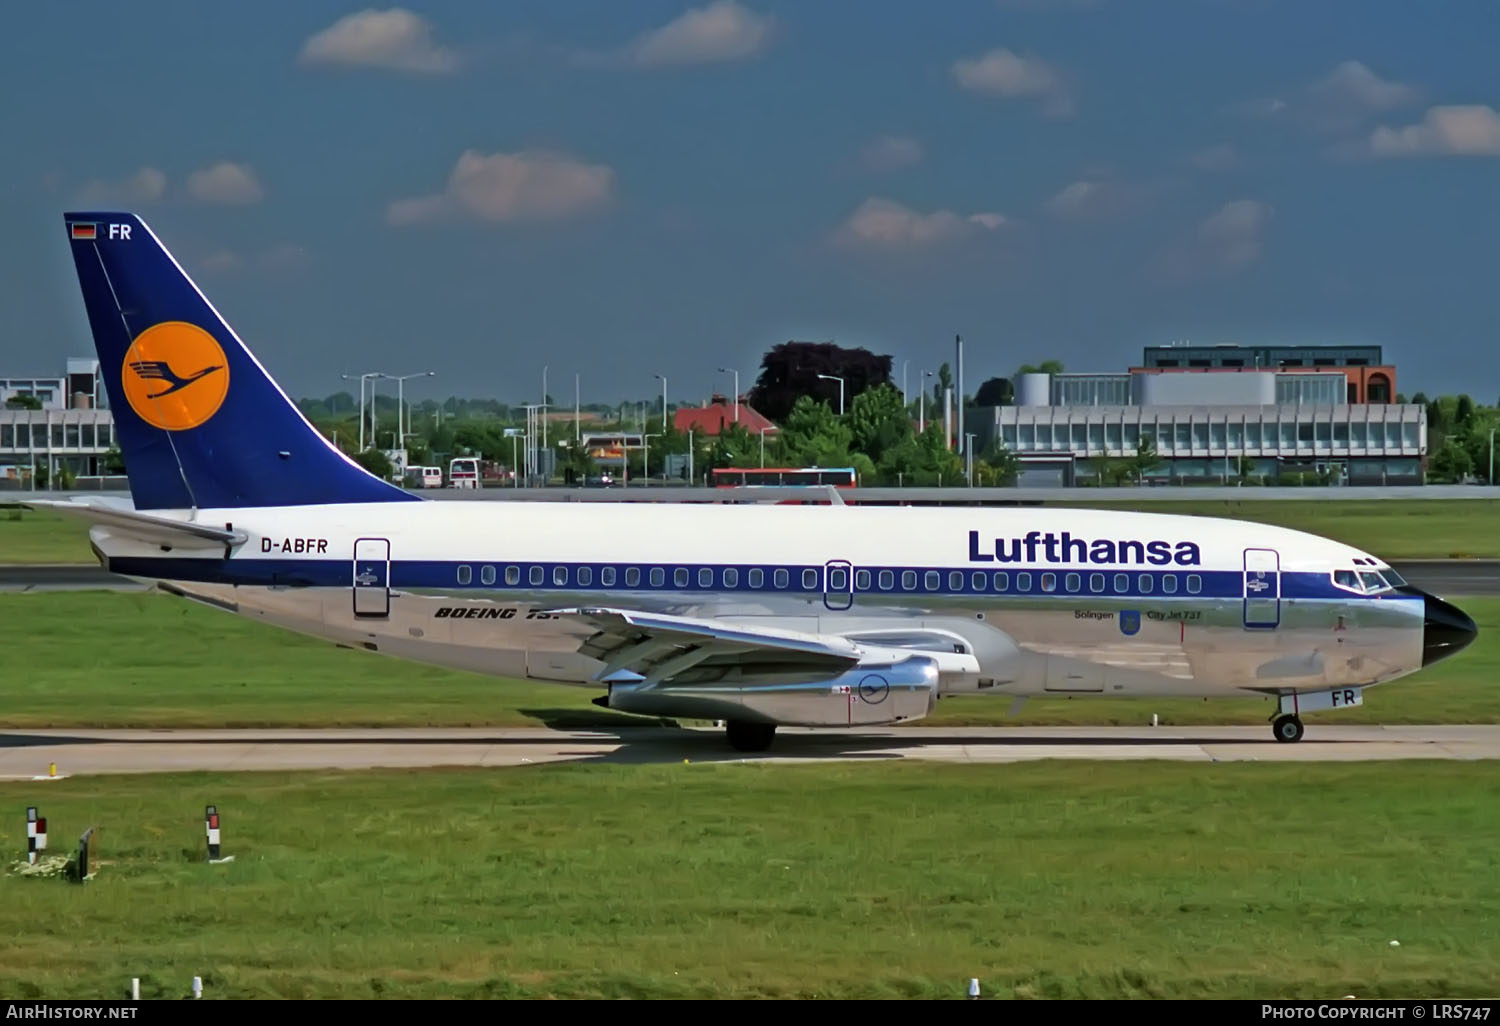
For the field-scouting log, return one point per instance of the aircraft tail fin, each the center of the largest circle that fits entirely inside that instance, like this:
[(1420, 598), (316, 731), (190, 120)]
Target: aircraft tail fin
[(199, 421)]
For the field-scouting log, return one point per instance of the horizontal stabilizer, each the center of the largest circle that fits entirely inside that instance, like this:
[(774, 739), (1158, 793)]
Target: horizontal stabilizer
[(145, 527)]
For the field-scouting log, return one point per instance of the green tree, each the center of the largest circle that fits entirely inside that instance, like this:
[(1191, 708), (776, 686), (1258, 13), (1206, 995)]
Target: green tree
[(1452, 462), (814, 436), (878, 422), (23, 402), (1146, 458), (376, 462)]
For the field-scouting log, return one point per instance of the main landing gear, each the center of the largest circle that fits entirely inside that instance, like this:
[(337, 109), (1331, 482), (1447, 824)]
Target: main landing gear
[(1287, 728), (750, 737)]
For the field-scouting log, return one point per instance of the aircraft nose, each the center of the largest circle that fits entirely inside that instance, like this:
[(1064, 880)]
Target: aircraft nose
[(1446, 630)]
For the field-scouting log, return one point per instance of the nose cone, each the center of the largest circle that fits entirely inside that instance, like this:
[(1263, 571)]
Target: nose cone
[(1446, 631)]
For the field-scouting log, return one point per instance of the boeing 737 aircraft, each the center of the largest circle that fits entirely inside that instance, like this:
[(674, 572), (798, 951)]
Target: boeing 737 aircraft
[(757, 615)]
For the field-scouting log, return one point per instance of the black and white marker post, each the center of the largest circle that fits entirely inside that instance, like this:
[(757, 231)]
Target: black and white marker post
[(211, 824), (31, 835)]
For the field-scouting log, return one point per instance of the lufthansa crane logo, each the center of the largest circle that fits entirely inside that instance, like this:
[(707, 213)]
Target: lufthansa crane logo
[(175, 376)]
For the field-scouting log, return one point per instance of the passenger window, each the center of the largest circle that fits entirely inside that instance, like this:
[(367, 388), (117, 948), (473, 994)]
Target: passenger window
[(1195, 584), (1023, 582), (1002, 580), (838, 579), (757, 577), (1145, 583), (908, 579), (956, 580), (781, 578), (680, 577), (1122, 583), (607, 577), (1074, 582), (537, 575), (560, 575), (976, 581), (731, 578), (487, 575), (810, 580), (1096, 582), (632, 577), (705, 578), (512, 575), (1049, 582), (465, 574), (862, 580), (887, 580), (658, 577), (934, 580), (585, 576), (1169, 584)]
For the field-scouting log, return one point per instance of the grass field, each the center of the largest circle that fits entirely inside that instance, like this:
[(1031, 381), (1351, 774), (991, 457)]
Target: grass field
[(117, 659), (1394, 528), (745, 881)]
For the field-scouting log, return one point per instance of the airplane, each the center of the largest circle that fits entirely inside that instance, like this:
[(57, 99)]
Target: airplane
[(753, 615)]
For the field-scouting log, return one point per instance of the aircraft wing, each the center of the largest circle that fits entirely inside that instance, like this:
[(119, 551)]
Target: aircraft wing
[(155, 530), (678, 649)]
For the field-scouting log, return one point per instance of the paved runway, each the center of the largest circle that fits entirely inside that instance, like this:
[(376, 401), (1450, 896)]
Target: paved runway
[(26, 754), (1439, 576)]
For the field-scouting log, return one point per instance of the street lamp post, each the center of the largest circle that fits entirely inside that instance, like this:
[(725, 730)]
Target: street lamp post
[(663, 401), (762, 448), (362, 379), (830, 377), (400, 380), (922, 404), (736, 374), (646, 456)]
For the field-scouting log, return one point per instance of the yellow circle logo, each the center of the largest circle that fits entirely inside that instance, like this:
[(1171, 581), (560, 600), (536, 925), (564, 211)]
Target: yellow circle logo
[(175, 376)]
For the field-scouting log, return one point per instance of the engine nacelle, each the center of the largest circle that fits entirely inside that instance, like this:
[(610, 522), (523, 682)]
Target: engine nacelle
[(868, 695)]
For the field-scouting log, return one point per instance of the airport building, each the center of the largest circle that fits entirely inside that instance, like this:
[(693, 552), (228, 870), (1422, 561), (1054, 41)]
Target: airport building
[(67, 440), (1216, 415)]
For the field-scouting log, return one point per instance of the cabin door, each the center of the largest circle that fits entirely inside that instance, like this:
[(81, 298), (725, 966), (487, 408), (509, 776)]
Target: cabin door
[(1262, 592), (372, 578), (838, 585)]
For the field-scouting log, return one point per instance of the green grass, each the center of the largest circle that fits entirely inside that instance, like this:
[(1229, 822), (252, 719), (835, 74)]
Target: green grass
[(1043, 880), (32, 536), (117, 659), (1392, 528)]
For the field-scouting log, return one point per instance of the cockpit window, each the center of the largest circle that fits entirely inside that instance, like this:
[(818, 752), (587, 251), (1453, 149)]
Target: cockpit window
[(1363, 580), (1346, 579), (1392, 578), (1372, 580)]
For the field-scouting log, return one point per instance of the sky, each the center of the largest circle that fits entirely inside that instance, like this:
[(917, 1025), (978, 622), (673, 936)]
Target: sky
[(619, 190)]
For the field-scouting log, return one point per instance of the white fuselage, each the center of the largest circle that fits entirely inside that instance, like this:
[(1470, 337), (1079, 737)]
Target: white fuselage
[(1036, 600)]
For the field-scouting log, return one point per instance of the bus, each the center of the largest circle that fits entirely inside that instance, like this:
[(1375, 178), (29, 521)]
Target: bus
[(463, 472), (783, 477)]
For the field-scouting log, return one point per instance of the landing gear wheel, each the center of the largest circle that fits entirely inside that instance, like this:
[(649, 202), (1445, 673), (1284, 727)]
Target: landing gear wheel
[(1287, 728), (750, 737)]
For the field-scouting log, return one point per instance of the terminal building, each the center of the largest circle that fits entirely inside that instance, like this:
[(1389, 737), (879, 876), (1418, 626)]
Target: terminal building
[(1217, 415), (57, 431)]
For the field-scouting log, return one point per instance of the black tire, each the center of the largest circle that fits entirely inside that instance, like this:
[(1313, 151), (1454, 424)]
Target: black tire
[(1287, 729), (750, 737)]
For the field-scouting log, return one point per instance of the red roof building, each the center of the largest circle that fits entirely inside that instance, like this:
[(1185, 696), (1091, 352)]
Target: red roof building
[(714, 416)]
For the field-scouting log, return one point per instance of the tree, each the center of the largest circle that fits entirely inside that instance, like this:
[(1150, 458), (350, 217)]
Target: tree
[(814, 436), (878, 422), (790, 372), (23, 402), (1145, 459), (1047, 367), (1465, 412), (1452, 462), (995, 392), (376, 462)]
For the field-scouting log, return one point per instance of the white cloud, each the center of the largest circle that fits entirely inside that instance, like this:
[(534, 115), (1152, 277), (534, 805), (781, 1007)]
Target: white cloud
[(529, 185), (145, 186), (892, 151), (394, 39), (1227, 241), (718, 32), (1093, 197), (1003, 73), (1215, 158), (225, 182), (1353, 84), (885, 224), (221, 260), (1472, 130)]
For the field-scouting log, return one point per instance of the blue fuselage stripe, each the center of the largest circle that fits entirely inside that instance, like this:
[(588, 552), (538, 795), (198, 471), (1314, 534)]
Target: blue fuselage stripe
[(739, 578)]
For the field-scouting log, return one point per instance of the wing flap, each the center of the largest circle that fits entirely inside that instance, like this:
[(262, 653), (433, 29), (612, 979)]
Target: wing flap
[(662, 648)]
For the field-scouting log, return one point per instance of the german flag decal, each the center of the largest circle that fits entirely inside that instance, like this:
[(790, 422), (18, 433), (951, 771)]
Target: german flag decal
[(83, 231)]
